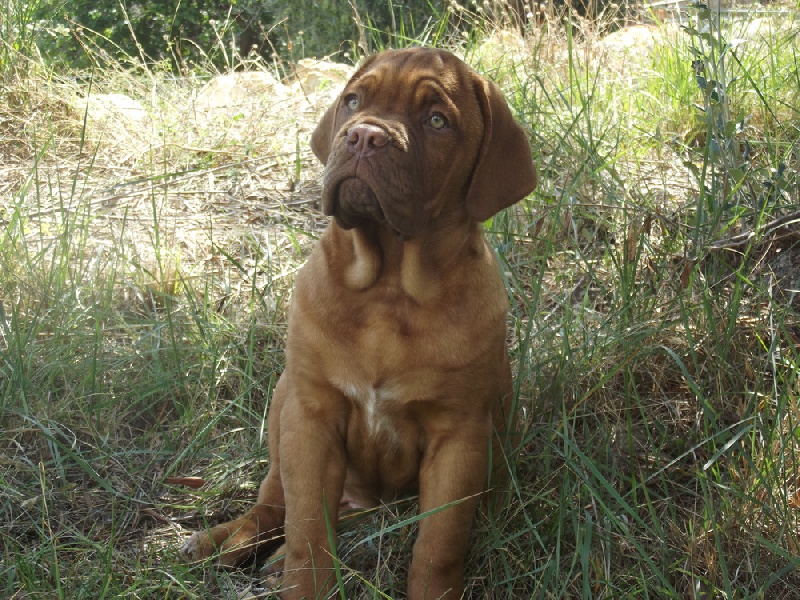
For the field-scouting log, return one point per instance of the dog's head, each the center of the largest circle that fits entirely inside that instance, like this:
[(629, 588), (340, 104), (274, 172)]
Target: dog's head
[(415, 133)]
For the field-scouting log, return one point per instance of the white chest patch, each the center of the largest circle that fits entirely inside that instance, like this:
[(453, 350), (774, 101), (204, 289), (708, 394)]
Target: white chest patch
[(372, 402)]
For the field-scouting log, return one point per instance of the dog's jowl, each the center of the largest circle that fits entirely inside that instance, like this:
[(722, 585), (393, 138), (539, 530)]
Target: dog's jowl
[(397, 377)]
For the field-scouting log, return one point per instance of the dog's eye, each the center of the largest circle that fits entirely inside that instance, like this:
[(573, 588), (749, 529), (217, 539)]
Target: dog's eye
[(352, 102), (437, 121)]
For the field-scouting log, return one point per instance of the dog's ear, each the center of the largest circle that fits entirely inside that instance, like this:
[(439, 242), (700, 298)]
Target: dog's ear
[(322, 138), (504, 172)]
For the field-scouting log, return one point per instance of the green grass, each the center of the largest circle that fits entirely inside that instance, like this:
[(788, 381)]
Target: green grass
[(145, 273)]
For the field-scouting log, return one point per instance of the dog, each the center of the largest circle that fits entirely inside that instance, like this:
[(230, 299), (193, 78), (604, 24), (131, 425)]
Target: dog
[(397, 376)]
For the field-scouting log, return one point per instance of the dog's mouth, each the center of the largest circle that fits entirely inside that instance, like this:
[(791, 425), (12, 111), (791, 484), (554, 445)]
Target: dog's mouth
[(352, 203)]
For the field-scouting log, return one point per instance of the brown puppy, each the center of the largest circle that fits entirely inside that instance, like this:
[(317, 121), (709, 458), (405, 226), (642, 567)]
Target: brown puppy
[(397, 376)]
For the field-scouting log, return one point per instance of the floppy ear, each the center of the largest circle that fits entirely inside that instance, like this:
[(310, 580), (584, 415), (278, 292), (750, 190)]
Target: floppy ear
[(504, 172), (322, 138)]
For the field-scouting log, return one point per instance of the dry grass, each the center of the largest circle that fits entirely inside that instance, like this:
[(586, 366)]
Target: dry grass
[(146, 264)]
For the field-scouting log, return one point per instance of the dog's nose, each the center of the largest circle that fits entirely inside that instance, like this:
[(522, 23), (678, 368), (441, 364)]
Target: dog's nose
[(365, 140)]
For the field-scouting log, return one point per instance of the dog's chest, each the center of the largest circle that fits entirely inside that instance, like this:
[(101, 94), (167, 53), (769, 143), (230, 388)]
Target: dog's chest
[(382, 441), (374, 405), (392, 334), (396, 353)]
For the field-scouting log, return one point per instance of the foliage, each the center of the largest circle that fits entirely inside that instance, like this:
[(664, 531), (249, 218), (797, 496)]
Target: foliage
[(17, 40), (732, 195), (186, 34)]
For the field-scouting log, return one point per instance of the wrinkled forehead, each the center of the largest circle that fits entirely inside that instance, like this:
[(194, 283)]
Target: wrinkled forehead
[(417, 76)]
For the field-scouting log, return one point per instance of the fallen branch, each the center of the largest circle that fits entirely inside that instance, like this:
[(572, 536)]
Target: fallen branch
[(737, 241)]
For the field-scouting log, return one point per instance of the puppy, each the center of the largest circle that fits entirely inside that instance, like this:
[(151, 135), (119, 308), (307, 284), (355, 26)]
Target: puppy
[(397, 376)]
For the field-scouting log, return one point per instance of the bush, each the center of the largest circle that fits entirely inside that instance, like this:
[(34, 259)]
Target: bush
[(185, 35)]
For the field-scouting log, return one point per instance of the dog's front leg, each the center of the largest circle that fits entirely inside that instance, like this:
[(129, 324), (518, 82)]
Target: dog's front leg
[(313, 467), (453, 472)]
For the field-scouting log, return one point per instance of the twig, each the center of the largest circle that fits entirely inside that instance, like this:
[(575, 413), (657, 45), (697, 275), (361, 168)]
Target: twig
[(737, 241)]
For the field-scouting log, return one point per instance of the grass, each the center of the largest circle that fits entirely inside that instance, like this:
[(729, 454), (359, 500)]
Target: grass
[(146, 267)]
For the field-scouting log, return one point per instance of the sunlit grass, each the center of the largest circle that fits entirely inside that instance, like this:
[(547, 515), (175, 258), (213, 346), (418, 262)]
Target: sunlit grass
[(146, 268)]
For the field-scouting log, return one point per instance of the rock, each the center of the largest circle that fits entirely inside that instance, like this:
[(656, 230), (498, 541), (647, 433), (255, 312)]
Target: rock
[(237, 91), (312, 76)]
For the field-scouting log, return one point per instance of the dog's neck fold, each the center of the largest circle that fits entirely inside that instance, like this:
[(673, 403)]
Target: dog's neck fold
[(417, 266)]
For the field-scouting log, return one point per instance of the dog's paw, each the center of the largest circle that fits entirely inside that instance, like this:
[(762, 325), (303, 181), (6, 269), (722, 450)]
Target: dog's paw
[(191, 547), (274, 566)]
